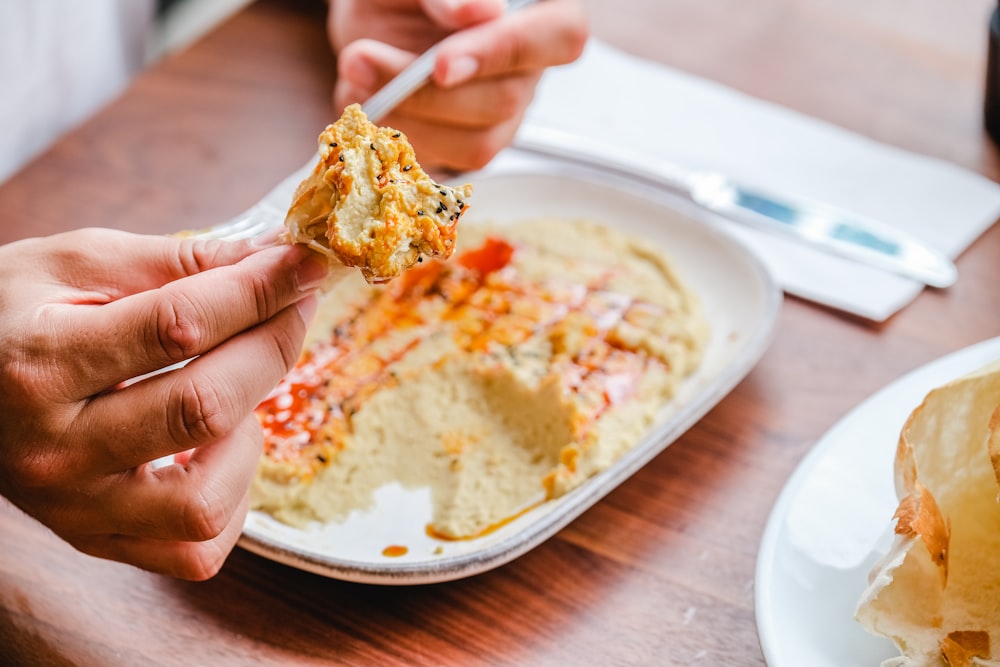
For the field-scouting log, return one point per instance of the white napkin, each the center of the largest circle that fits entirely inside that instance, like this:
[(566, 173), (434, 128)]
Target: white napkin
[(700, 124)]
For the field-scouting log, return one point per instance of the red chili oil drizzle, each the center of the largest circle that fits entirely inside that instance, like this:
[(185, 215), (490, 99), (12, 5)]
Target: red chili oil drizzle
[(492, 256), (484, 302)]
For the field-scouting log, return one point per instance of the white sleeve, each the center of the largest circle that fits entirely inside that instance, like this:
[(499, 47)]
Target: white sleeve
[(61, 60)]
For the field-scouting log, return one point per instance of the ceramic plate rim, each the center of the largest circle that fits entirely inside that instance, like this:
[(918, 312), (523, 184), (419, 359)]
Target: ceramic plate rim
[(960, 362)]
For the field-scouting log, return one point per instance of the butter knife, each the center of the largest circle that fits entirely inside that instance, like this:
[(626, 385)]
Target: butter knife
[(820, 225)]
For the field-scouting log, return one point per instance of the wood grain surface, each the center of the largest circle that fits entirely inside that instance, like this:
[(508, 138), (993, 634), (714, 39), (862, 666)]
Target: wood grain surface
[(658, 573)]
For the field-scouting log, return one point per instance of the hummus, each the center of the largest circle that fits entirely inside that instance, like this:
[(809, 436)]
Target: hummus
[(509, 375)]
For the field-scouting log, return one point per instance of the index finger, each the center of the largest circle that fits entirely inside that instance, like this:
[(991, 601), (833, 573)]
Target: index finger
[(459, 14), (188, 407), (150, 330), (117, 264), (549, 33)]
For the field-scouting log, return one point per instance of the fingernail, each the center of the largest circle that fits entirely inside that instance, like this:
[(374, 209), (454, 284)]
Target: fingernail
[(307, 308), (361, 73), (311, 272), (459, 70)]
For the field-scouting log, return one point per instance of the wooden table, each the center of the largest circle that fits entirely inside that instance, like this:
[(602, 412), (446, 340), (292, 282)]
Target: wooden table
[(661, 571)]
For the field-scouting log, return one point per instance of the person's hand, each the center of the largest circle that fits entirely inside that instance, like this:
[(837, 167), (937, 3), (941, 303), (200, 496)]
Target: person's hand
[(484, 76), (82, 316)]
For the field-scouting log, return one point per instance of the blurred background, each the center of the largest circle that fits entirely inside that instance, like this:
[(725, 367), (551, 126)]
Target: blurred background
[(889, 52), (183, 21)]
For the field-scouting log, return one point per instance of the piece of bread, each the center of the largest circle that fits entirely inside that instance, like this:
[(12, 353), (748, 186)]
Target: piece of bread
[(936, 594), (368, 203)]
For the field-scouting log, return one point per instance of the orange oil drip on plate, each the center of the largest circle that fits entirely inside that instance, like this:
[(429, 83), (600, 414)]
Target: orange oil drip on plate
[(394, 551), (485, 531)]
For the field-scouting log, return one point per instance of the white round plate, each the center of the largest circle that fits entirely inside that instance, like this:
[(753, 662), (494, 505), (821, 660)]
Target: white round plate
[(833, 521)]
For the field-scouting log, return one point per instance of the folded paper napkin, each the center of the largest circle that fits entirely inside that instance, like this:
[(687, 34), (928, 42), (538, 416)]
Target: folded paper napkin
[(700, 124)]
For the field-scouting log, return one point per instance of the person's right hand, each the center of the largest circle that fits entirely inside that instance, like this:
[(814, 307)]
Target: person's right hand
[(485, 71), (85, 313)]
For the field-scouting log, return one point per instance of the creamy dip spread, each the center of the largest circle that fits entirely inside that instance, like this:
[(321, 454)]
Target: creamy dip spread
[(506, 376)]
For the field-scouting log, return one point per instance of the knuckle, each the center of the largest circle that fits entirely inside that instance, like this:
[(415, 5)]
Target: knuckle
[(203, 563), (17, 376), (202, 415), (31, 472), (30, 361), (483, 151), (38, 470), (286, 342), (176, 329), (575, 35), (203, 518), (351, 52), (197, 255), (264, 295), (512, 96)]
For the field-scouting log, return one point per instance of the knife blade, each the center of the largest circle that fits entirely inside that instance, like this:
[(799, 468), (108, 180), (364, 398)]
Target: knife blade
[(822, 226)]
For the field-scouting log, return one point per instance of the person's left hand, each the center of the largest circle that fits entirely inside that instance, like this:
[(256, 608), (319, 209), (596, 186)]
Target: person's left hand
[(484, 76), (85, 317)]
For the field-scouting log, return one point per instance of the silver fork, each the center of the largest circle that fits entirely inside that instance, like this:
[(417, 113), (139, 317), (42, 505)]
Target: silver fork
[(265, 215)]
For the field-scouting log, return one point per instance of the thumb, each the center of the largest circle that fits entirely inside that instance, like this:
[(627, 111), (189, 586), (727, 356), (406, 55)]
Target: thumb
[(116, 264)]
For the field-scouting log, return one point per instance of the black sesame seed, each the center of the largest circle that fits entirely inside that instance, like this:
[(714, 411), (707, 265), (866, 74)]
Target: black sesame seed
[(321, 458), (408, 167), (442, 193), (396, 136), (373, 146), (341, 158), (420, 212)]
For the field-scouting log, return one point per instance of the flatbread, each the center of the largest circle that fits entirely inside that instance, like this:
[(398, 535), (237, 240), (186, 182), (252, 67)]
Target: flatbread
[(936, 594)]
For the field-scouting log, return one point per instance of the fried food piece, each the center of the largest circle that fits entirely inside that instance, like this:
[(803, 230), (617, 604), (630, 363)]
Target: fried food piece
[(368, 203)]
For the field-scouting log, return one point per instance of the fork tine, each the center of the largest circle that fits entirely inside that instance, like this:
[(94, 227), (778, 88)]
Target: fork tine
[(246, 225), (268, 213)]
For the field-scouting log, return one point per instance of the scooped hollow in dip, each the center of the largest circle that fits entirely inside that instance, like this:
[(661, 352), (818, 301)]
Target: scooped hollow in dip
[(530, 361)]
